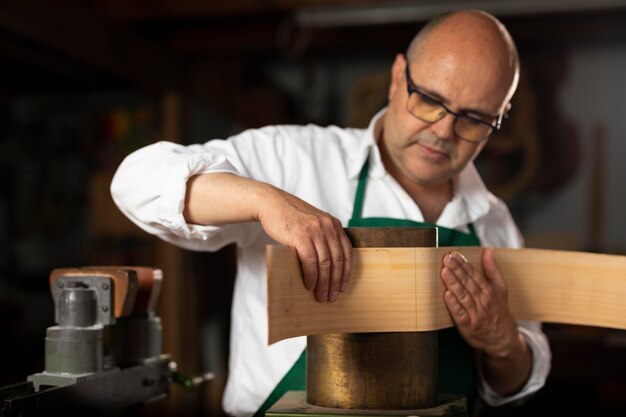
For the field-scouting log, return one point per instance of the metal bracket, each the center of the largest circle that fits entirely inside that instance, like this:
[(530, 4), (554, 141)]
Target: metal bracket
[(104, 286)]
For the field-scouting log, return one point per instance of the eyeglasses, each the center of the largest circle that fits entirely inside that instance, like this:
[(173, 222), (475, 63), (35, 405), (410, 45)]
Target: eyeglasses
[(431, 110)]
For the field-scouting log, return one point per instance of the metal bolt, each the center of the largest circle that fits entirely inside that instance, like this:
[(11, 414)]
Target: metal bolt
[(105, 308), (60, 284), (105, 286)]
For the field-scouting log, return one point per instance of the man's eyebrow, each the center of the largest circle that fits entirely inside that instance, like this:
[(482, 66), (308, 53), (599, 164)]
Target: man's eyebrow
[(447, 102)]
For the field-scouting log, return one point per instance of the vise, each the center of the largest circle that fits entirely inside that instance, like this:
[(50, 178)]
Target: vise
[(104, 354)]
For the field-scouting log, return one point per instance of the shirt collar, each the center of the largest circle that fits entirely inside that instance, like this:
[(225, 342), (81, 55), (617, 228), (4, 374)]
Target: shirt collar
[(369, 149), (471, 200)]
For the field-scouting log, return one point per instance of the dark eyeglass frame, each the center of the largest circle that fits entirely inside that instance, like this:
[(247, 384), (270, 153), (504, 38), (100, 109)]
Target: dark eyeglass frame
[(412, 88)]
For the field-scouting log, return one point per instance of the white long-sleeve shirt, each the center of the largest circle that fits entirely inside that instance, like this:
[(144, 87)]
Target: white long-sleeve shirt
[(320, 165)]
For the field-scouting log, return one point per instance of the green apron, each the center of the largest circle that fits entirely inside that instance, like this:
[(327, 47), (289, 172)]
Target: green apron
[(457, 370)]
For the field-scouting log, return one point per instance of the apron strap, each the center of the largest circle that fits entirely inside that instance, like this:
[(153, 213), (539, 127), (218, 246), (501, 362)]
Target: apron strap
[(360, 191), (294, 380)]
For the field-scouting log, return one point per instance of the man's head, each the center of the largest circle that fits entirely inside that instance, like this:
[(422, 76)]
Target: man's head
[(468, 62)]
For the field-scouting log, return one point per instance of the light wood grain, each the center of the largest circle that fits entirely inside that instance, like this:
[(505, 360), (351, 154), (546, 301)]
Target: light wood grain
[(399, 289)]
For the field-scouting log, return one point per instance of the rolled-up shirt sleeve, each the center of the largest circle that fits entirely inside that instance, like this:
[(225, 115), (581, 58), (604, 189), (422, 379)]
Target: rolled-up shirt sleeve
[(149, 187)]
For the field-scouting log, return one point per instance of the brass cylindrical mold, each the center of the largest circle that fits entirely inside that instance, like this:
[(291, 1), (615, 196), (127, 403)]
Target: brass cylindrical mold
[(375, 371)]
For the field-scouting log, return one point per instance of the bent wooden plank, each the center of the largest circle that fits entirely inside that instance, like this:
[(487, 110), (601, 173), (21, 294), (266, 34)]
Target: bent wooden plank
[(399, 290)]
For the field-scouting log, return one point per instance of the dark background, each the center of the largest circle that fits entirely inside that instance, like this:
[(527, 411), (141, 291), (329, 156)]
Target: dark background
[(83, 83)]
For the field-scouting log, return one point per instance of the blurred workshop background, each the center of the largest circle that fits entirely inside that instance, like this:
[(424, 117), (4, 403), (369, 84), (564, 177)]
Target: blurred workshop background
[(84, 83)]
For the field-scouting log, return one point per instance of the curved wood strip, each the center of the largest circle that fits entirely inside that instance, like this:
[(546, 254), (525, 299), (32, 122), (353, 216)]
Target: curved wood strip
[(399, 290)]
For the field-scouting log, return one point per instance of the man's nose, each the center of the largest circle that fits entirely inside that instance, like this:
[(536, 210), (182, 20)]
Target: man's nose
[(444, 127)]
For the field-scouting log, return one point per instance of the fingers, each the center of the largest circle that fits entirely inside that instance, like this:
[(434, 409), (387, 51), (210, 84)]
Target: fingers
[(458, 313), (467, 290), (460, 278), (326, 259), (490, 266), (337, 259), (346, 246), (308, 260), (324, 264)]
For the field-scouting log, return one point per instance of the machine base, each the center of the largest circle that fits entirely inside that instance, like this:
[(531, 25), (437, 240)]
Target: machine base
[(293, 404)]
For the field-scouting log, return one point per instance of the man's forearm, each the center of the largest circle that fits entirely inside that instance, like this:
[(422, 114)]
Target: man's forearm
[(508, 374), (223, 198)]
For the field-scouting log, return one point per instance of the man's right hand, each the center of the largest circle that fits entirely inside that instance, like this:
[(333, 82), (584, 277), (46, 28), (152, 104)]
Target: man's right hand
[(324, 250)]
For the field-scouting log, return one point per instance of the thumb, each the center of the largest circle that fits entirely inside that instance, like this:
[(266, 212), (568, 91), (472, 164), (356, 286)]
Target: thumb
[(491, 269)]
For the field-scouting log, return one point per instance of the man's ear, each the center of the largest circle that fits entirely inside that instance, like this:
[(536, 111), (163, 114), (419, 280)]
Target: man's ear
[(397, 75)]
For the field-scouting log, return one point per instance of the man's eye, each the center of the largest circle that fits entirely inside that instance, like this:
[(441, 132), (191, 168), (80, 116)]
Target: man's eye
[(475, 121), (472, 121), (429, 100)]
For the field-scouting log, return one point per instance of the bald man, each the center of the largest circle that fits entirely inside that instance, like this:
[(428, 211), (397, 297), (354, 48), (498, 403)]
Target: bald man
[(300, 185)]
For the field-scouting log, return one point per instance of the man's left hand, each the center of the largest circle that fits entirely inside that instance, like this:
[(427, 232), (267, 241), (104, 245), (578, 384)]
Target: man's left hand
[(478, 304)]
